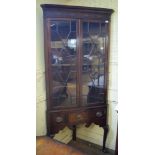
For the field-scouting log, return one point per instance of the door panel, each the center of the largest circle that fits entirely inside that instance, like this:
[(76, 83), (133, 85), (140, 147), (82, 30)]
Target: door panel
[(93, 66), (63, 62)]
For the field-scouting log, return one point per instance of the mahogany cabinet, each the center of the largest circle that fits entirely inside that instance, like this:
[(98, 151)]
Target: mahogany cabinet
[(76, 41)]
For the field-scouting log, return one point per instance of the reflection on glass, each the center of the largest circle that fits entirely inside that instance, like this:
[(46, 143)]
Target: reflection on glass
[(93, 62), (63, 61)]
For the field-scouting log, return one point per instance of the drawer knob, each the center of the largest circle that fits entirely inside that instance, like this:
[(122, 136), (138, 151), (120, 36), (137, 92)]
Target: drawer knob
[(79, 117), (59, 119), (99, 114), (106, 21)]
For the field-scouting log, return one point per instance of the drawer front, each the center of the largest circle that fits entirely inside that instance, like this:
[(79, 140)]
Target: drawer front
[(78, 117), (58, 118), (98, 116), (98, 113), (88, 116), (56, 122)]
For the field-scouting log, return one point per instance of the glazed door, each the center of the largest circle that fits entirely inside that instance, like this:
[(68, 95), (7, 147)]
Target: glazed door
[(93, 62), (63, 63)]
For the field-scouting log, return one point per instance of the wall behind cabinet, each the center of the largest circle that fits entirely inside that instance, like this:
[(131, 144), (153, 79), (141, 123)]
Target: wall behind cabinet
[(94, 133)]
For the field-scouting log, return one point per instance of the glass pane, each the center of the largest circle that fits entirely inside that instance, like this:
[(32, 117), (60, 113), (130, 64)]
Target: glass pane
[(63, 63), (93, 63)]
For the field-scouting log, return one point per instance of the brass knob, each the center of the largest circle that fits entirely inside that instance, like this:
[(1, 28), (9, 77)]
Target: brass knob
[(99, 114), (59, 119), (106, 21), (79, 117)]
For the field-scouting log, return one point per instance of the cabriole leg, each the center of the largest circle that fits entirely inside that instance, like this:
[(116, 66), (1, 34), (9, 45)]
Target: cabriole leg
[(106, 129), (74, 132)]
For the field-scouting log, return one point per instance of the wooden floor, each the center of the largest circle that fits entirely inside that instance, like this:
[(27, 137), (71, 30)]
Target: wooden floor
[(47, 146), (88, 148)]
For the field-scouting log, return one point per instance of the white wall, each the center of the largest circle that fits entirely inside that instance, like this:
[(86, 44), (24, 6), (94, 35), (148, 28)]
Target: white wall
[(94, 133)]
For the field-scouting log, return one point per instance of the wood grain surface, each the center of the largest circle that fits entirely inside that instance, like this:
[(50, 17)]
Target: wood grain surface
[(48, 146)]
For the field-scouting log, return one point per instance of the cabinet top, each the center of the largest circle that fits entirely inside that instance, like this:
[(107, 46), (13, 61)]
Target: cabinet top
[(81, 8)]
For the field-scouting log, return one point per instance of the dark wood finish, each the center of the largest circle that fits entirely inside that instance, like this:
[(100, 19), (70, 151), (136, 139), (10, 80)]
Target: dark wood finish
[(62, 11), (106, 129), (86, 109), (74, 132)]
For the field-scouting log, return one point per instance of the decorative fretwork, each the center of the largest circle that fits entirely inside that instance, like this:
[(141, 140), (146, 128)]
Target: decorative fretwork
[(63, 61), (93, 51)]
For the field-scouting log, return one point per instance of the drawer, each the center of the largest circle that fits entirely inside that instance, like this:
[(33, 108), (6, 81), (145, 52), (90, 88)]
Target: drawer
[(56, 122), (98, 116), (58, 117), (87, 116), (78, 117), (98, 113)]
